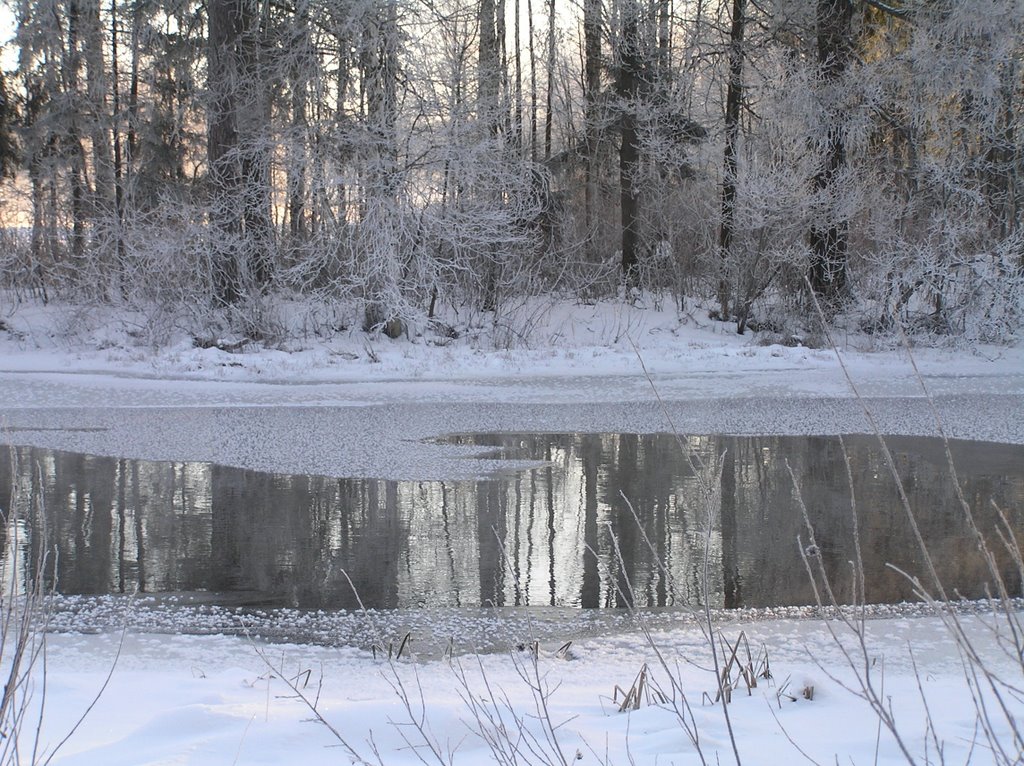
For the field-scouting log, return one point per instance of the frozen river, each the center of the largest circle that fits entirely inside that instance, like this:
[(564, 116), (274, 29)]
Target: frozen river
[(393, 431), (378, 428)]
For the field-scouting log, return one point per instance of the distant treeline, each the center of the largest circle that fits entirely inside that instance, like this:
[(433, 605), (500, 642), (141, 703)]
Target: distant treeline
[(779, 160)]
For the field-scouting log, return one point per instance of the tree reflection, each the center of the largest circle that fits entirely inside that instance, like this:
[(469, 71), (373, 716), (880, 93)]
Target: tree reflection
[(606, 520)]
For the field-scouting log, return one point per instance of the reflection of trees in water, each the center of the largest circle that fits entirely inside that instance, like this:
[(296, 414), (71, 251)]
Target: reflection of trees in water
[(79, 499), (648, 501), (769, 522), (547, 536)]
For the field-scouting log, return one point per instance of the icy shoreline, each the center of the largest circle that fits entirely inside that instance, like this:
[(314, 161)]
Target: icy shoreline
[(216, 699), (361, 406), (432, 633)]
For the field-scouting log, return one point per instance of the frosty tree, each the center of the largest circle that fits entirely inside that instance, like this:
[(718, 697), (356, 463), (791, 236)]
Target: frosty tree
[(202, 161)]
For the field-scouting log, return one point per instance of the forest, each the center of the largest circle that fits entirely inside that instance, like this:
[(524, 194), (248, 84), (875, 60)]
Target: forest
[(391, 164)]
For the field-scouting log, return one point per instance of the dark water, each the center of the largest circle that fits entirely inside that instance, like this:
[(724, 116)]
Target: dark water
[(606, 519)]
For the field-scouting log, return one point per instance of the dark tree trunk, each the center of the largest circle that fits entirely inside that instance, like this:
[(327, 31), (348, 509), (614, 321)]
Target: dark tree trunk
[(297, 150), (237, 150), (664, 43), (8, 118), (592, 66), (131, 134), (380, 66), (488, 91), (489, 77), (501, 35), (549, 115), (533, 83), (631, 66), (517, 117), (828, 236), (119, 200), (73, 136), (253, 123), (102, 201), (733, 100), (225, 28)]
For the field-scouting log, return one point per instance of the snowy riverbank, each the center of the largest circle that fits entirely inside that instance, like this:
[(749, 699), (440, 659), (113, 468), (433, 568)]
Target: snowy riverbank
[(549, 340), (354, 406), (359, 406), (214, 700)]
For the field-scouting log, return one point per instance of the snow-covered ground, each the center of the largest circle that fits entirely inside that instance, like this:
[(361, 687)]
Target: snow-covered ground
[(217, 700), (357, 406), (544, 341), (352, 405)]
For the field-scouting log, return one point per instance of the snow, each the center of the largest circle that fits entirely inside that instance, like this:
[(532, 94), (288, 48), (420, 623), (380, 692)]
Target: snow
[(216, 700), (75, 378), (327, 407), (550, 340)]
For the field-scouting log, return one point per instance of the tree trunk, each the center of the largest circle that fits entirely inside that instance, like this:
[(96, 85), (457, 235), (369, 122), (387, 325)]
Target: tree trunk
[(549, 110), (119, 200), (517, 121), (664, 43), (487, 111), (73, 141), (8, 117), (501, 34), (253, 123), (99, 117), (533, 83), (381, 219), (131, 134), (238, 150), (297, 167), (225, 28), (828, 236), (629, 89), (733, 101), (489, 72), (592, 76)]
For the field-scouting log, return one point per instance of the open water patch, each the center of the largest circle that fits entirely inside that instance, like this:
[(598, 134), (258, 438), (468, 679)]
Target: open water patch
[(601, 521)]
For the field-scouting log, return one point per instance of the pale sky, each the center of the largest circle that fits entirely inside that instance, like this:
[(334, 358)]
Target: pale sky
[(9, 56)]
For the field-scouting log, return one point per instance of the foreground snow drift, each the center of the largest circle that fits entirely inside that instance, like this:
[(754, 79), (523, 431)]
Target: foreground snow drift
[(219, 700)]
